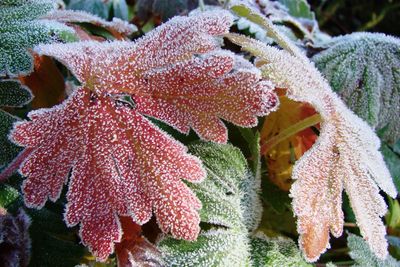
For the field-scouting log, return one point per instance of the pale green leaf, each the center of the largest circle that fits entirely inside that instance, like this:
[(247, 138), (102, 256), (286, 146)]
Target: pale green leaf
[(277, 252), (364, 68), (299, 8), (363, 256)]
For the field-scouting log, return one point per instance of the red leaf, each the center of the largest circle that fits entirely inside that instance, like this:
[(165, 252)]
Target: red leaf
[(176, 73), (121, 165)]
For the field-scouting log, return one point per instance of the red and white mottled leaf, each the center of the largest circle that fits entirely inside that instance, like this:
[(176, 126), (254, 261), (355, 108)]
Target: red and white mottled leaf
[(176, 73), (121, 165)]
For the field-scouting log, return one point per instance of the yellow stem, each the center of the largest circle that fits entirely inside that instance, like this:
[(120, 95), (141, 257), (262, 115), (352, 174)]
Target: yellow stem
[(292, 130)]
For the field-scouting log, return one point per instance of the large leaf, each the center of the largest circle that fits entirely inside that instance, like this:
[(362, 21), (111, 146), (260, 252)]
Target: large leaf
[(20, 29), (364, 69), (345, 156)]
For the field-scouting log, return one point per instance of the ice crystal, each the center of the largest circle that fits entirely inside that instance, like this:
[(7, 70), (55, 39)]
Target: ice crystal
[(121, 165), (12, 94), (176, 73), (362, 254), (364, 69), (345, 156), (14, 238), (21, 29), (276, 251)]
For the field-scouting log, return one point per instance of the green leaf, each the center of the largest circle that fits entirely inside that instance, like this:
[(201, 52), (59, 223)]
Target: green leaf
[(120, 9), (363, 256), (230, 214), (212, 248), (14, 94), (364, 68), (20, 29), (8, 151), (267, 251), (299, 8)]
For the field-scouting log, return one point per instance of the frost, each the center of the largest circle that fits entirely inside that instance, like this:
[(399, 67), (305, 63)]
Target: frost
[(362, 254), (177, 74), (364, 69), (345, 156), (121, 165), (68, 16), (276, 251), (21, 29)]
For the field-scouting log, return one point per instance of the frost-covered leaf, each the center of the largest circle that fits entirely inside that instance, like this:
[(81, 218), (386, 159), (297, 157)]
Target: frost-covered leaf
[(212, 248), (278, 251), (14, 238), (364, 69), (363, 256), (117, 26), (225, 207), (229, 195), (8, 194), (345, 156), (392, 160), (12, 94), (176, 73), (121, 165), (21, 29)]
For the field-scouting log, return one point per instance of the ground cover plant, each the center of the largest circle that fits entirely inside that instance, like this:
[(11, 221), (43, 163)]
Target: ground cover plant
[(195, 133)]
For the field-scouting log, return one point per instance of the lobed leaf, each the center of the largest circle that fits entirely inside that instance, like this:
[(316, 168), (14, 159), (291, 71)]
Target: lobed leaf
[(121, 165), (363, 68), (345, 156), (177, 74)]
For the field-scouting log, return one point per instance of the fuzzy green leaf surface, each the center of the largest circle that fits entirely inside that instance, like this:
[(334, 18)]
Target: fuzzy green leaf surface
[(267, 251), (21, 28), (364, 69), (363, 256)]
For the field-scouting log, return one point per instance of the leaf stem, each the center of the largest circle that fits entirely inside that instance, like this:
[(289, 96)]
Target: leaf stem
[(201, 5), (292, 130)]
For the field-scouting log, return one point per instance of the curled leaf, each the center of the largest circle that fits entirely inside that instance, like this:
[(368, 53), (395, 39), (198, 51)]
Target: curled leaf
[(345, 156)]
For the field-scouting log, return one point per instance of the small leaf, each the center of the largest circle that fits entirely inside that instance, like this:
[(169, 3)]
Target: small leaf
[(363, 256), (279, 251), (364, 69), (8, 195), (13, 94)]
